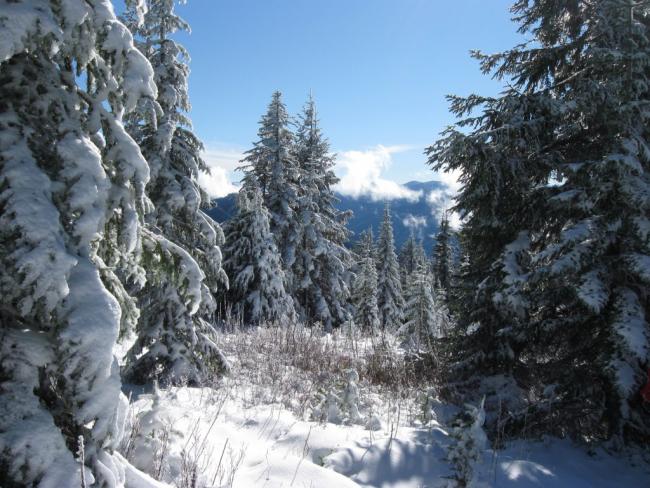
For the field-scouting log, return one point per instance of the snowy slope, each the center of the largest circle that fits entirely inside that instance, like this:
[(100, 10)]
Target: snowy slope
[(248, 431), (251, 445)]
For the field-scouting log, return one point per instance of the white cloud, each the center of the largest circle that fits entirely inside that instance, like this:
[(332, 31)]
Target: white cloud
[(361, 174), (413, 222), (222, 161), (442, 200)]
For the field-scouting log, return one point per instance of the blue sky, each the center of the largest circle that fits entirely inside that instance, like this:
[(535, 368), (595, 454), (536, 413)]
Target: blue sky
[(379, 70)]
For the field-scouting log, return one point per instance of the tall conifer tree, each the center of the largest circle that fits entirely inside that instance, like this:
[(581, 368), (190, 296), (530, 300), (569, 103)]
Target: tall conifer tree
[(175, 332), (72, 202), (389, 295), (420, 321), (272, 167), (442, 257), (320, 284), (555, 183), (364, 292), (258, 285)]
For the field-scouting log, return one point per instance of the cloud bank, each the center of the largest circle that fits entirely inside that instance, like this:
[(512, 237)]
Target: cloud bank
[(443, 199), (413, 222), (361, 174), (222, 161)]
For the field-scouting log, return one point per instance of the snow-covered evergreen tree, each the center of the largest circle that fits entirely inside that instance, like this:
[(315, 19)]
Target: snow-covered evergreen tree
[(462, 290), (175, 336), (272, 167), (72, 201), (365, 241), (420, 320), (469, 443), (442, 257), (364, 290), (389, 288), (406, 256), (319, 272), (555, 183), (251, 259), (411, 256)]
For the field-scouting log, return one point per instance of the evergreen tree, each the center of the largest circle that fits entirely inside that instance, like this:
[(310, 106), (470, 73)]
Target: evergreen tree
[(272, 167), (442, 257), (554, 181), (420, 257), (389, 291), (420, 321), (366, 241), (364, 292), (407, 259), (253, 263), (71, 207), (175, 334), (462, 289), (320, 269)]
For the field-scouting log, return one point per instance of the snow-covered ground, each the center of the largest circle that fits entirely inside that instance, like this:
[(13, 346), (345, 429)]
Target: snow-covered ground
[(236, 435)]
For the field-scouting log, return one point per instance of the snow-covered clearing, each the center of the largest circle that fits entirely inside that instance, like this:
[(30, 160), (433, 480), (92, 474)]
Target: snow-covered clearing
[(245, 433)]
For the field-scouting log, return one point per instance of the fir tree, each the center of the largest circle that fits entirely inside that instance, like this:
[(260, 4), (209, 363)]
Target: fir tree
[(409, 258), (442, 257), (389, 291), (72, 202), (364, 292), (322, 261), (271, 166), (420, 321), (365, 241), (462, 288), (175, 335), (554, 181), (253, 263)]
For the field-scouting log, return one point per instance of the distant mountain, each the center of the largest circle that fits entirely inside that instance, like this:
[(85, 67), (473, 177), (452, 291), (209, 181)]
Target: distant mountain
[(421, 214)]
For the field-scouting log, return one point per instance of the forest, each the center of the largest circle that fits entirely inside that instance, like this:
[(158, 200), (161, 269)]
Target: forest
[(145, 345)]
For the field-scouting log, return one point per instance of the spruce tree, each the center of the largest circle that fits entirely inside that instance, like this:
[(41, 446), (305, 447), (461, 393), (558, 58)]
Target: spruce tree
[(175, 333), (554, 178), (407, 259), (258, 285), (420, 321), (364, 290), (322, 261), (272, 167), (389, 289), (442, 256), (72, 202), (365, 241)]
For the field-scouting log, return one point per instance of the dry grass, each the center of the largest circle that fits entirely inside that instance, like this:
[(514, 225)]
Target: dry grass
[(291, 365)]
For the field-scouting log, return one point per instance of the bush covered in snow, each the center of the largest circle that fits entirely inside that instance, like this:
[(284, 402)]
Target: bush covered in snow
[(469, 442)]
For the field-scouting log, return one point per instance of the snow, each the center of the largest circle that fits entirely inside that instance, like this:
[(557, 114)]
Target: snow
[(266, 445), (21, 20), (41, 261), (554, 463), (239, 434)]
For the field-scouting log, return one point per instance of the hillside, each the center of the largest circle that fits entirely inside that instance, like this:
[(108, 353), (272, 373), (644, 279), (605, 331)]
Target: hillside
[(421, 214)]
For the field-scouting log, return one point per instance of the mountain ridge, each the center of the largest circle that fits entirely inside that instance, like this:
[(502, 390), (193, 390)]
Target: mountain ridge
[(421, 214)]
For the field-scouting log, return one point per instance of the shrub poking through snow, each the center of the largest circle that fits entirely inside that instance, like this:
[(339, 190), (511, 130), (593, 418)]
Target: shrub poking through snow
[(427, 400), (327, 407), (339, 405), (469, 442), (350, 398)]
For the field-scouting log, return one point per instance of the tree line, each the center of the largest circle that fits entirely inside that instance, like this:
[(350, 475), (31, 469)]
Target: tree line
[(104, 243)]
